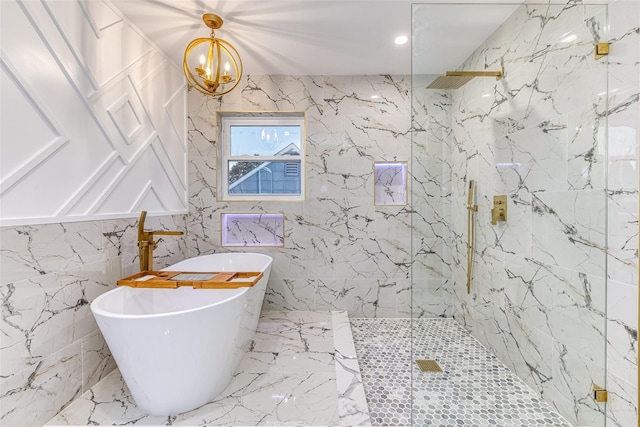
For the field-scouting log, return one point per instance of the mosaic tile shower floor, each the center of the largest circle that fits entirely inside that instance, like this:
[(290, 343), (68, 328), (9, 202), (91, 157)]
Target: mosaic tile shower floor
[(474, 389)]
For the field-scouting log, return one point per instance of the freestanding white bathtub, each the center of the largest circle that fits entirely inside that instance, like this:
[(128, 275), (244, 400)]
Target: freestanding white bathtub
[(177, 349)]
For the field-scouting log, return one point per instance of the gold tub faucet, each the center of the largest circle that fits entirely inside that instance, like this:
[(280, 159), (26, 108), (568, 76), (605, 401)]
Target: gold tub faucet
[(146, 244)]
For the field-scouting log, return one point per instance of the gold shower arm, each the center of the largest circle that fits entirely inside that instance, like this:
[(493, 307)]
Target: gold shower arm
[(497, 74), (456, 79)]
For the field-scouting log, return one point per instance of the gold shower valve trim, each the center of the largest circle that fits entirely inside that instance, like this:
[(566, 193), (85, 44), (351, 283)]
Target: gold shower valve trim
[(499, 210)]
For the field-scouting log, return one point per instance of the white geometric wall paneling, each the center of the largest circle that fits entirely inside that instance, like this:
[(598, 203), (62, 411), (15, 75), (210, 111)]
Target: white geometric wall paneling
[(390, 183), (93, 118), (252, 229)]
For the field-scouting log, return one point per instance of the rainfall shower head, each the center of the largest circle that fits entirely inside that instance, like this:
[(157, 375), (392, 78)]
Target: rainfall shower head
[(456, 79)]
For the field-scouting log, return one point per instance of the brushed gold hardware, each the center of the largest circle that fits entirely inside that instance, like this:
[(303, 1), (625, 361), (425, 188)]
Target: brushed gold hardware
[(456, 79), (209, 76), (428, 365), (497, 74), (601, 50), (600, 394), (499, 210), (146, 244), (471, 231)]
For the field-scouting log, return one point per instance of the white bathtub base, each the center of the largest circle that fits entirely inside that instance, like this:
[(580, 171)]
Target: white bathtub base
[(178, 349)]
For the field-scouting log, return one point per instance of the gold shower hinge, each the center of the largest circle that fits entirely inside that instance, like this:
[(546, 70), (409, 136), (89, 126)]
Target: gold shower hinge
[(602, 49), (600, 394)]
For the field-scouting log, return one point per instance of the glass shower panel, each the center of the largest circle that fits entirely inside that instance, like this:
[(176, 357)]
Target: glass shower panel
[(537, 135)]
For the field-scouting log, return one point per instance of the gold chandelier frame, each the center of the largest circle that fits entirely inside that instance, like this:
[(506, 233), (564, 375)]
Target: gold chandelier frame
[(209, 77)]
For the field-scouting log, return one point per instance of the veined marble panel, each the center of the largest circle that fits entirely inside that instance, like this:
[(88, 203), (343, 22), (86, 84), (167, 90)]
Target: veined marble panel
[(97, 361), (355, 95), (428, 298), (252, 229), (569, 230), (44, 314), (29, 251), (34, 395), (533, 159), (573, 380), (622, 318), (329, 175)]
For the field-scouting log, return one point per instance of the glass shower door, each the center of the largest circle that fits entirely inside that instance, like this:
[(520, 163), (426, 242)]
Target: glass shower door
[(534, 142)]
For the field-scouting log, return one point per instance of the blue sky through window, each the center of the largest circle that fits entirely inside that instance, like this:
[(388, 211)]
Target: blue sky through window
[(262, 140)]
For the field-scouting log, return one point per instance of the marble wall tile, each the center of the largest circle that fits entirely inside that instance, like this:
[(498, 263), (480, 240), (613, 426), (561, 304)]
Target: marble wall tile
[(29, 251), (97, 361), (283, 293), (359, 297), (34, 395), (50, 347), (44, 314), (569, 230), (428, 298), (573, 379), (335, 236), (550, 137), (622, 335), (622, 407)]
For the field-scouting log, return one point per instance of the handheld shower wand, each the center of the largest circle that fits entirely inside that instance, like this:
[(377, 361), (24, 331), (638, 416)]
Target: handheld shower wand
[(471, 233)]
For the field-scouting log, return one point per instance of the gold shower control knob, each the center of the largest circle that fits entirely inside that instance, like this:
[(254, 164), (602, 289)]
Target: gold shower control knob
[(499, 210)]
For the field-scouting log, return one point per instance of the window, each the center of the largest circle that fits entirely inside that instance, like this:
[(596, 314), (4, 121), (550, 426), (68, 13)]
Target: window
[(261, 156)]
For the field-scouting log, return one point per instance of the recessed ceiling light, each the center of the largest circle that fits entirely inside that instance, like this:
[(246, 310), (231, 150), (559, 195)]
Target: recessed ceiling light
[(375, 96), (401, 39)]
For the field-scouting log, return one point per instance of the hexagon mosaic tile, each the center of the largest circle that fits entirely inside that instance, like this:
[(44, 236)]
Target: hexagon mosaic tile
[(474, 389)]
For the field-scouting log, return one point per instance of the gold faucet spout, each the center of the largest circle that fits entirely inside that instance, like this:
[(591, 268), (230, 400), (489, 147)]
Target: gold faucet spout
[(146, 244)]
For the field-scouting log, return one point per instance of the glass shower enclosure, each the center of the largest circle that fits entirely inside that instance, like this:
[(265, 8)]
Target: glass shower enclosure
[(532, 144)]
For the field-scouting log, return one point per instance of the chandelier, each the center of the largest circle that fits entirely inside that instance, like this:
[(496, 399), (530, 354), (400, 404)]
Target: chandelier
[(212, 66)]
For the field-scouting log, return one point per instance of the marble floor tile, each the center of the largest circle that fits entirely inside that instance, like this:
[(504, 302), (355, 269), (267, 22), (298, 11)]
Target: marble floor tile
[(290, 376)]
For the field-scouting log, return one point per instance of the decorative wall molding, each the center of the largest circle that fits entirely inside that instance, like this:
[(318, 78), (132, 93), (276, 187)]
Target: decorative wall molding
[(93, 117)]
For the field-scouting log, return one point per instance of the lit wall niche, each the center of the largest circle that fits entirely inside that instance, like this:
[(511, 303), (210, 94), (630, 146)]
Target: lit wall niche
[(390, 183), (252, 229)]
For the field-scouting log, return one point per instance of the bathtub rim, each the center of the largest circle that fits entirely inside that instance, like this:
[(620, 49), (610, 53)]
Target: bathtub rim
[(237, 293)]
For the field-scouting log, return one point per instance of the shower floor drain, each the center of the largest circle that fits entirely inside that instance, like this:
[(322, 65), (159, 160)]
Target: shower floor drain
[(427, 365)]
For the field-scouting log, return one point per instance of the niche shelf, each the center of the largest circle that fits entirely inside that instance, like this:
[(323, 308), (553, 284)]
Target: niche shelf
[(390, 183), (252, 229)]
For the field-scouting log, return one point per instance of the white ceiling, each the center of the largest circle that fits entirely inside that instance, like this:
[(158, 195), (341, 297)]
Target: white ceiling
[(329, 37)]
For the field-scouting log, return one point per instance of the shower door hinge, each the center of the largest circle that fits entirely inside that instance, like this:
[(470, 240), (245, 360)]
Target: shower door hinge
[(602, 49), (600, 394)]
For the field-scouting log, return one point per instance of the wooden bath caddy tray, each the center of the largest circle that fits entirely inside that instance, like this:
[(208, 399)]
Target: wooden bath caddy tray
[(197, 280)]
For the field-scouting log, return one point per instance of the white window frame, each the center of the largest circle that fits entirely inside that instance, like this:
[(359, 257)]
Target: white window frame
[(225, 121)]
